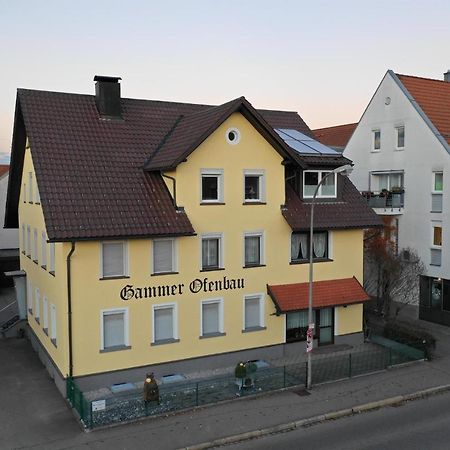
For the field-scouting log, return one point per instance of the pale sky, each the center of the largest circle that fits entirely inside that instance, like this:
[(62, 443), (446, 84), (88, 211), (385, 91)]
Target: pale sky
[(323, 59)]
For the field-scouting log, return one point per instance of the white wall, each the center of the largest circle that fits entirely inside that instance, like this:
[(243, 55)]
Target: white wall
[(8, 238), (422, 154)]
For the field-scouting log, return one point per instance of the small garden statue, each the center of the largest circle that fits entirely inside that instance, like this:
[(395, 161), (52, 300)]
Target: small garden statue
[(151, 390)]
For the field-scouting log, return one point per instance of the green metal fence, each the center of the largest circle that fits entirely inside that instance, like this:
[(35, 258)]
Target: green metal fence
[(129, 405)]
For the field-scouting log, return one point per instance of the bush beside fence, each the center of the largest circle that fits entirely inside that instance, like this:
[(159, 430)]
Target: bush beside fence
[(178, 396)]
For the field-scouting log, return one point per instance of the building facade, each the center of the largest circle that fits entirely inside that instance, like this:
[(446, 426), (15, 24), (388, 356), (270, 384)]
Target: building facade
[(401, 152), (175, 236)]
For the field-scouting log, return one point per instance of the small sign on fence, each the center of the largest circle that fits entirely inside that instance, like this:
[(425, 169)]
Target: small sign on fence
[(309, 338), (99, 405)]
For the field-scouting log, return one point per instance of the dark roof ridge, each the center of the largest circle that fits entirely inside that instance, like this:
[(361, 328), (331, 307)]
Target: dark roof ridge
[(335, 126), (277, 110)]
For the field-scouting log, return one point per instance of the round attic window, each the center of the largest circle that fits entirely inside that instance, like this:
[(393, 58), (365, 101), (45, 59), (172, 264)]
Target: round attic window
[(387, 101), (233, 136)]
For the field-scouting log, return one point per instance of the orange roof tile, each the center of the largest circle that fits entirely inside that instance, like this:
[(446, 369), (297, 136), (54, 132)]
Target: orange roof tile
[(294, 297), (4, 168), (433, 96), (336, 136)]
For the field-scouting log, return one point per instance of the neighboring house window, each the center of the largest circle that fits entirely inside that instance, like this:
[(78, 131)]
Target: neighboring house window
[(253, 249), (212, 252), (254, 186), (37, 302), (114, 259), (211, 186), (44, 249), (45, 314), (437, 235), (300, 246), (311, 178), (253, 312), (164, 256), (376, 140), (24, 240), (53, 323), (114, 329), (164, 324), (35, 246), (212, 317), (29, 296), (389, 181), (438, 182), (400, 138), (28, 241), (30, 187), (52, 258)]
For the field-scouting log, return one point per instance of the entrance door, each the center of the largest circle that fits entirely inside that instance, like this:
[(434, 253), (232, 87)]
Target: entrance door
[(326, 326)]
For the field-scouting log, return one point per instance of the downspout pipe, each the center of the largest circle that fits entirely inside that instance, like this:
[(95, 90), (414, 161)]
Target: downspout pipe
[(174, 182), (69, 307)]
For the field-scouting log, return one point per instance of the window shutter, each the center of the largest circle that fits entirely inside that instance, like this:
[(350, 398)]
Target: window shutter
[(162, 256), (113, 259), (113, 330), (163, 324), (210, 315), (252, 312)]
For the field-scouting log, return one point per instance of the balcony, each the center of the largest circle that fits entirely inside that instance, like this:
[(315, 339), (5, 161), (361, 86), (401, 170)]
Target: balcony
[(386, 202)]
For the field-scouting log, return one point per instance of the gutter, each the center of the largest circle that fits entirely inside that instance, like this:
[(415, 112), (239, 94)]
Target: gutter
[(69, 307)]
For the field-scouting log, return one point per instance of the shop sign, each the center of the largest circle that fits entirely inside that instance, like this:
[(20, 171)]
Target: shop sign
[(196, 286)]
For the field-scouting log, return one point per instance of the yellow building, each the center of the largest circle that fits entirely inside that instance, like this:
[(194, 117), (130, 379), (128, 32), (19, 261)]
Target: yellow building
[(175, 236)]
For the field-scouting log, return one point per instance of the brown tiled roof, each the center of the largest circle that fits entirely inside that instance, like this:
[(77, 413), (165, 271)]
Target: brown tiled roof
[(336, 136), (294, 297), (349, 210), (4, 169), (433, 96)]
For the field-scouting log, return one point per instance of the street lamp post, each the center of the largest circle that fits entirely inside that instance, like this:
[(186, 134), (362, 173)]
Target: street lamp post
[(343, 170)]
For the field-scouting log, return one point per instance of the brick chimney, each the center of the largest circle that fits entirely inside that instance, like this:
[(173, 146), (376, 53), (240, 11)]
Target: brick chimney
[(107, 97)]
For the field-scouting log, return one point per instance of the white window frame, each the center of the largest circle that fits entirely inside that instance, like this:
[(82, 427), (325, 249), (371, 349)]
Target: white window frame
[(237, 134), (29, 296), (374, 131), (24, 240), (24, 192), (397, 129), (319, 193), (261, 174), (45, 313), (51, 268), (210, 173), (433, 190), (44, 249), (434, 225), (37, 197), (221, 246), (174, 256), (125, 259), (37, 304), (28, 251), (53, 323), (174, 307), (34, 252), (218, 301), (126, 326), (261, 298), (30, 187), (262, 247)]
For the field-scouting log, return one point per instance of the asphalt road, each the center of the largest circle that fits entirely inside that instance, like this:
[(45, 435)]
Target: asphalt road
[(421, 424)]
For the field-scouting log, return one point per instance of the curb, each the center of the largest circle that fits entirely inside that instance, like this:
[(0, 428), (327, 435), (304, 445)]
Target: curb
[(290, 426)]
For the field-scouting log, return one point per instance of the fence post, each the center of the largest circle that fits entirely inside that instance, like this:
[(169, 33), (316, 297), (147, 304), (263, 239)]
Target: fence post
[(80, 402), (196, 394), (284, 376), (349, 365), (306, 373)]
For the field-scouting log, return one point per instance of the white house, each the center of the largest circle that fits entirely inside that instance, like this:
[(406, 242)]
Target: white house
[(401, 155)]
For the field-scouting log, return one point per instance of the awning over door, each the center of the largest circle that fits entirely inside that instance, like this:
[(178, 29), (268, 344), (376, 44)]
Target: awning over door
[(294, 297)]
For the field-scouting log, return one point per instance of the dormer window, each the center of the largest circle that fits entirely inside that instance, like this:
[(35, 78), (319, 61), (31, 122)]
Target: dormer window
[(311, 178)]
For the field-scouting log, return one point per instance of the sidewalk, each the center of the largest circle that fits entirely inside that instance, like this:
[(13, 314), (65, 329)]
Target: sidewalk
[(209, 423)]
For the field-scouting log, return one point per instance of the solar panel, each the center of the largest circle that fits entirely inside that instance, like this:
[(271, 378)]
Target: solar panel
[(304, 144)]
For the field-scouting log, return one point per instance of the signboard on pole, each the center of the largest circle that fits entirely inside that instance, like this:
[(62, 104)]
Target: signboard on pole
[(310, 338)]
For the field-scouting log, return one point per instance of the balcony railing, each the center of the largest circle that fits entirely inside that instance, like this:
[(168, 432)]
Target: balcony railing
[(385, 199)]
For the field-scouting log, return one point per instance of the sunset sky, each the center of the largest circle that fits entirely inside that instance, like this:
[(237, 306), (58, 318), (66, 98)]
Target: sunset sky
[(323, 59)]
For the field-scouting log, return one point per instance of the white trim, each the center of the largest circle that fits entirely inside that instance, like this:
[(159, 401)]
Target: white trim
[(30, 186), (24, 239), (319, 193), (34, 251), (125, 262), (52, 257), (44, 248), (174, 307), (45, 312), (261, 298), (261, 174), (237, 134), (219, 174), (219, 301), (28, 250), (53, 323), (37, 303), (262, 246), (104, 312), (29, 295), (220, 236), (174, 255), (433, 181)]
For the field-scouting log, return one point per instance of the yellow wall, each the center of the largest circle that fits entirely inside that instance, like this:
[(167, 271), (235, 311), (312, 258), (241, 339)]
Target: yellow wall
[(53, 287), (90, 295), (349, 319)]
